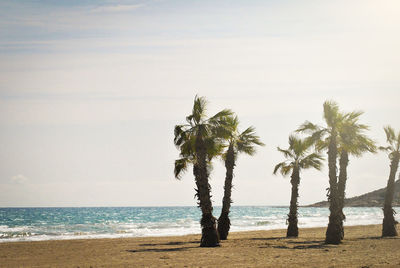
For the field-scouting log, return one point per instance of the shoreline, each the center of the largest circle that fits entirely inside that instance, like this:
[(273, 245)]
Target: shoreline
[(362, 246), (129, 236), (67, 224)]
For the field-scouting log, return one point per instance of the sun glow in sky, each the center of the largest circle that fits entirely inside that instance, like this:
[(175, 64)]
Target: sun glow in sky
[(90, 92)]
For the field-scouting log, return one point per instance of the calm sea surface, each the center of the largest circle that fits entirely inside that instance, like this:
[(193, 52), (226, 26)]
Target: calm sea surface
[(31, 224)]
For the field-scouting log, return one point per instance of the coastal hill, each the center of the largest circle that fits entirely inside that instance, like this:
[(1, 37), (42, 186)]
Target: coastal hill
[(371, 199)]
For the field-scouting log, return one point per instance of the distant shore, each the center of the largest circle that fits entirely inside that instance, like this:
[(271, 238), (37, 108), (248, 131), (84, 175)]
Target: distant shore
[(362, 247)]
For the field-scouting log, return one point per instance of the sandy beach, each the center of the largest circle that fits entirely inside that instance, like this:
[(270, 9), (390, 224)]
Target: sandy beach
[(362, 247)]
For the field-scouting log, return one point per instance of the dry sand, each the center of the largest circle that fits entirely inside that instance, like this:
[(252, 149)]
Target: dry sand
[(362, 247)]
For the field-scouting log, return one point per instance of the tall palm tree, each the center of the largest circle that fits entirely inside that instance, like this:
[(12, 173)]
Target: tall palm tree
[(297, 158), (326, 138), (237, 142), (389, 223), (352, 141), (197, 141)]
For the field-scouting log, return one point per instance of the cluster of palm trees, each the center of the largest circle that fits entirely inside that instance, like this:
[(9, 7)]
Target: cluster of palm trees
[(199, 141), (343, 135), (202, 139)]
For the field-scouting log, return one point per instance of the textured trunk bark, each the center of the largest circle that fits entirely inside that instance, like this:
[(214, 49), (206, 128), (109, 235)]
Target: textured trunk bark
[(334, 231), (224, 222), (209, 235), (343, 163), (389, 223), (293, 230)]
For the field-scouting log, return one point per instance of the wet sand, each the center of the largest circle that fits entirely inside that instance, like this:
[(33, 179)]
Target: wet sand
[(362, 247)]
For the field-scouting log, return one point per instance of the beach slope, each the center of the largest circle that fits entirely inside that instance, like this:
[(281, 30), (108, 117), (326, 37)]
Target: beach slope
[(362, 247)]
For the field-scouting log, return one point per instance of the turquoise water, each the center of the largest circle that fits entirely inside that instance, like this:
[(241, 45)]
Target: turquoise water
[(31, 224)]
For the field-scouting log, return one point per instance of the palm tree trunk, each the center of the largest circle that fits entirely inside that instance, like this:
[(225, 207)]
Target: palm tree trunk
[(389, 223), (343, 163), (293, 230), (224, 222), (209, 235), (333, 232)]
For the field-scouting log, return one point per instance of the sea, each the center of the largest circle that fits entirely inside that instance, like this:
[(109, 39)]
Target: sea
[(34, 224)]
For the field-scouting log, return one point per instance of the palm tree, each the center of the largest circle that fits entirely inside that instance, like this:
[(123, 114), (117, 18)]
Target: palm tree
[(297, 158), (237, 143), (389, 223), (198, 143), (326, 138), (352, 140)]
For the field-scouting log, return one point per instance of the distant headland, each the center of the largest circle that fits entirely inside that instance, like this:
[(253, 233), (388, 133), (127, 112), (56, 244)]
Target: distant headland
[(371, 199)]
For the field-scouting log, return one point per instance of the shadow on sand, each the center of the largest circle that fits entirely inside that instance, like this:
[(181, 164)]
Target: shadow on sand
[(290, 244), (165, 249), (159, 249), (170, 243), (370, 237), (268, 238)]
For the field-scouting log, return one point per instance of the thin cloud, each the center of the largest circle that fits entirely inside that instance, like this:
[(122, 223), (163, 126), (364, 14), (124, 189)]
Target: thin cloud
[(19, 179), (116, 8)]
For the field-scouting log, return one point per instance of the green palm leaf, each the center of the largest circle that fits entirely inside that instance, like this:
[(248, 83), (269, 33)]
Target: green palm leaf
[(298, 156)]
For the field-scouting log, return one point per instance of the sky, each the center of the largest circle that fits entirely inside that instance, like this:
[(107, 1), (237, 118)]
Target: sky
[(90, 92)]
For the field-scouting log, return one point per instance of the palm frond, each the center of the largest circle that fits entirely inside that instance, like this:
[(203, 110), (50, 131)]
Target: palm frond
[(385, 149), (218, 116), (318, 137), (223, 125), (393, 141), (398, 142), (351, 135), (313, 160), (297, 156), (247, 140), (199, 109), (285, 170), (321, 145), (187, 148), (278, 166), (308, 127), (214, 147), (286, 153), (298, 146), (180, 167), (179, 135), (390, 135), (353, 116), (331, 113)]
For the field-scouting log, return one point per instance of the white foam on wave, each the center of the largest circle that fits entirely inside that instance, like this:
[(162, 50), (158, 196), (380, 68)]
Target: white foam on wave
[(144, 232), (7, 229), (114, 230)]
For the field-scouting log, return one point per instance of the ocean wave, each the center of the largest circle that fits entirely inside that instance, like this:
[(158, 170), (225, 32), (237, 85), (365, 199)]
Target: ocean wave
[(7, 229), (83, 223), (262, 223)]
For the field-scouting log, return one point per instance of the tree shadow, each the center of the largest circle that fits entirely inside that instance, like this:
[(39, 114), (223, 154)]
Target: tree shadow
[(268, 238), (306, 242), (299, 245), (178, 243), (159, 249), (319, 246), (370, 237)]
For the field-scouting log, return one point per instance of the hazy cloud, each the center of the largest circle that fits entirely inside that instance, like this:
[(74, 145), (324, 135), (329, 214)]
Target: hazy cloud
[(19, 179), (116, 8)]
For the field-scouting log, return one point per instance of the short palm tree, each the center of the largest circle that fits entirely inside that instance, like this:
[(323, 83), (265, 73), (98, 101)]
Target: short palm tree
[(389, 223), (298, 157), (327, 138), (352, 141), (237, 143), (197, 141)]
